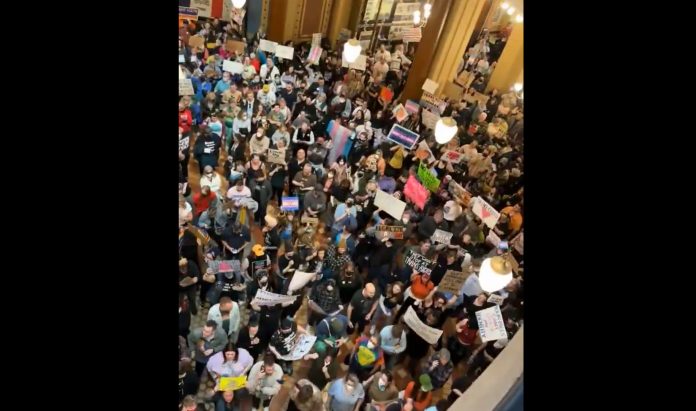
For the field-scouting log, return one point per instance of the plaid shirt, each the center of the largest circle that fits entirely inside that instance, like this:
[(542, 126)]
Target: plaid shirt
[(327, 300), (441, 373)]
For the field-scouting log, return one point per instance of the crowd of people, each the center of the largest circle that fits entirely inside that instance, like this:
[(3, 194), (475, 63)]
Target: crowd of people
[(241, 238)]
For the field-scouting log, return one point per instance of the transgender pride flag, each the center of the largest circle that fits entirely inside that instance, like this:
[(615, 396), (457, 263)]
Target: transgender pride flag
[(339, 136)]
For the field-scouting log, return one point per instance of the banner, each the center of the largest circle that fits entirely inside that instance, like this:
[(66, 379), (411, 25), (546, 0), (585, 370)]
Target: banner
[(400, 113), (441, 236), (300, 279), (232, 67), (266, 298), (491, 324), (427, 178), (414, 191), (284, 52), (418, 262), (302, 347), (339, 137), (403, 136), (185, 87), (430, 86), (393, 232), (390, 204), (452, 282), (429, 334), (485, 212), (276, 156), (290, 203), (266, 45), (314, 55)]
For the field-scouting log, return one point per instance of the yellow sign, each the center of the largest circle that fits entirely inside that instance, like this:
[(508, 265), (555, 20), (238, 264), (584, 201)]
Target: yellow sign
[(232, 383)]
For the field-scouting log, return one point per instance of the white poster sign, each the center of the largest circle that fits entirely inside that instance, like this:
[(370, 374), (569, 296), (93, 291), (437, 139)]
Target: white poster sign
[(491, 324), (204, 7), (429, 334), (485, 212), (300, 279), (232, 66), (316, 39), (284, 52), (263, 297), (359, 64), (185, 87), (429, 119), (493, 238), (430, 86), (441, 236), (266, 45), (496, 299), (390, 204), (302, 347)]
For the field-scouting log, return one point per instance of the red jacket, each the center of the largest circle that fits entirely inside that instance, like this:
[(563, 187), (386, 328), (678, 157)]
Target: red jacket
[(185, 120)]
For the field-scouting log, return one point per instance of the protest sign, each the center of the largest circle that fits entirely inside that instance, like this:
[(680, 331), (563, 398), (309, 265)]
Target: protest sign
[(300, 279), (316, 39), (185, 87), (429, 119), (386, 94), (491, 324), (267, 298), (400, 113), (414, 191), (458, 192), (232, 66), (430, 86), (427, 178), (390, 204), (188, 13), (496, 299), (424, 153), (309, 220), (314, 55), (290, 203), (266, 45), (393, 232), (453, 157), (235, 46), (301, 348), (359, 64), (196, 41), (441, 236), (403, 136), (436, 105), (412, 106), (418, 262), (452, 282), (276, 156), (429, 334), (485, 212), (493, 238), (284, 52), (518, 243), (232, 383)]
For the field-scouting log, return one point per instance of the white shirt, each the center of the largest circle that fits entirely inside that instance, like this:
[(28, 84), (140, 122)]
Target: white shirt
[(237, 196)]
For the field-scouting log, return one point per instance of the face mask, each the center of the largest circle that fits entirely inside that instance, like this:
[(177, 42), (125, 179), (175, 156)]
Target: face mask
[(263, 281), (381, 386), (370, 345), (405, 220), (349, 388)]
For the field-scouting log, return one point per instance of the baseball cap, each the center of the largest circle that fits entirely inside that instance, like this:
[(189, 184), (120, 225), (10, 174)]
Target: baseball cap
[(426, 384), (257, 249)]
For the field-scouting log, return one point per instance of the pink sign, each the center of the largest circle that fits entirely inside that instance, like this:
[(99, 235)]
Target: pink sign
[(415, 192)]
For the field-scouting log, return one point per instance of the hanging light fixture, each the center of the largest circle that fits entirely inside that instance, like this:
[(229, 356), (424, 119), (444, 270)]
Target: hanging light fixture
[(445, 130), (504, 6), (416, 17), (517, 87), (426, 10), (238, 4), (495, 274), (519, 18), (511, 11), (351, 50)]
